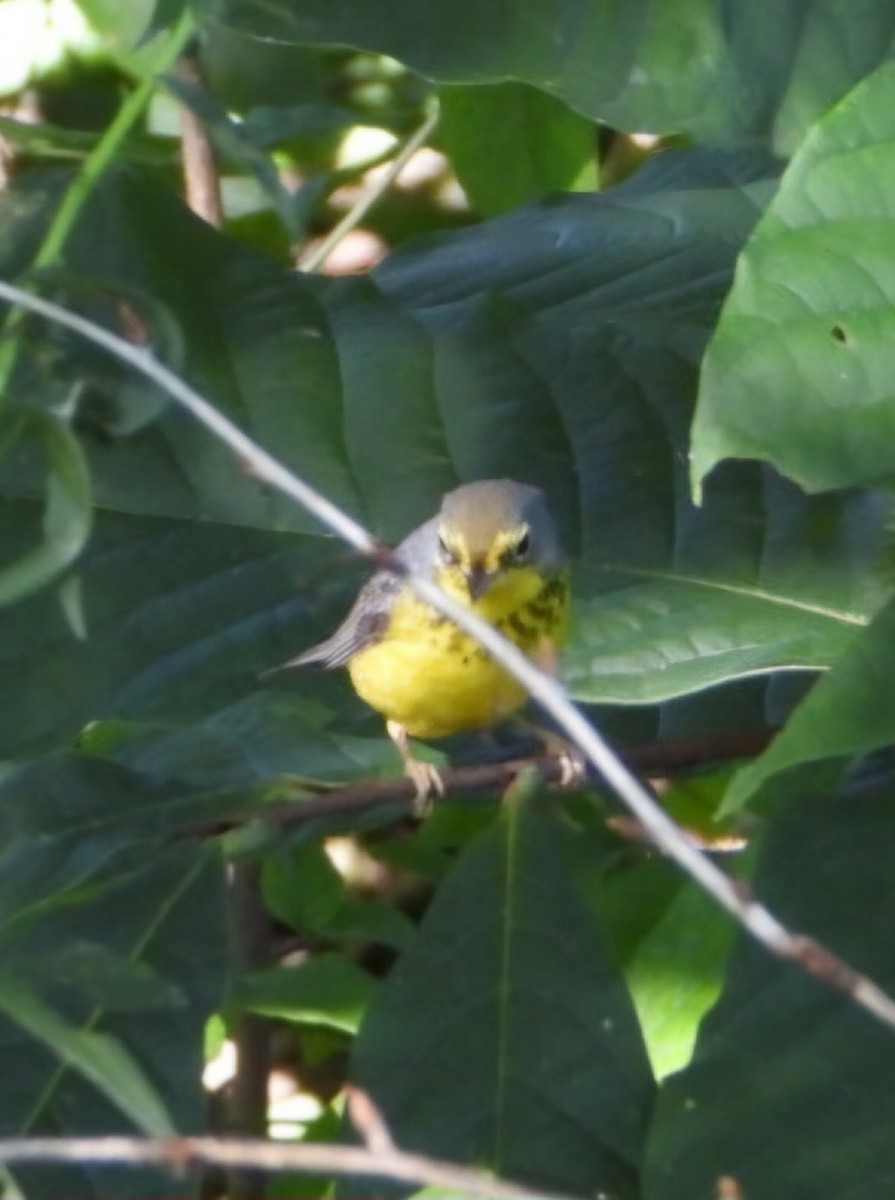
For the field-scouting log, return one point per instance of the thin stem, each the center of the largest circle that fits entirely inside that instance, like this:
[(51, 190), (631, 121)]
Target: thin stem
[(314, 260), (314, 1158), (248, 1099), (201, 180)]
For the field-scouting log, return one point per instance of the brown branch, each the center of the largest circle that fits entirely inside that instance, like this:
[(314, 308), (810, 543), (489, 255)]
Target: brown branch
[(201, 180), (248, 1094), (481, 780), (366, 794), (176, 1154), (686, 754)]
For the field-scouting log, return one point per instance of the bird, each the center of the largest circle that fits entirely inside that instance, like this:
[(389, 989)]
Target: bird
[(494, 547)]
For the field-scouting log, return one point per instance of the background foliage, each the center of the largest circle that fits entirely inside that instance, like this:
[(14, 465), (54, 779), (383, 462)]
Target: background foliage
[(628, 322)]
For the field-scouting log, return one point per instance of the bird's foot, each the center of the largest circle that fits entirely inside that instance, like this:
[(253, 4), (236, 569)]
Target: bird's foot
[(572, 763), (428, 783), (425, 777)]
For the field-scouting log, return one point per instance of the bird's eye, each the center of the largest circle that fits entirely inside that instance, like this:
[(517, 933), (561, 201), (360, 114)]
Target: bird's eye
[(523, 546), (446, 552)]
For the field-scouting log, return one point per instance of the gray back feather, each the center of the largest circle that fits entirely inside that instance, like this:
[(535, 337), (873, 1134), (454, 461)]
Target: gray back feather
[(480, 509)]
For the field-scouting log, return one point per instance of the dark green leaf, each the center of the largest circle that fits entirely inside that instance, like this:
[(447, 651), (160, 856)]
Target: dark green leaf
[(269, 363), (165, 13), (504, 1036), (77, 871), (559, 344), (180, 617), (765, 69), (789, 1092), (637, 643), (100, 1059), (67, 515), (305, 890)]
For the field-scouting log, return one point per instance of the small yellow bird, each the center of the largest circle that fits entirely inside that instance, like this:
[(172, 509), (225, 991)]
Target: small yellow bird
[(494, 547)]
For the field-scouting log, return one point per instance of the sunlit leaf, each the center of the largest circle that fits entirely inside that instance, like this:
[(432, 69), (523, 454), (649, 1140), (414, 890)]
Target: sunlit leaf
[(798, 372), (510, 143)]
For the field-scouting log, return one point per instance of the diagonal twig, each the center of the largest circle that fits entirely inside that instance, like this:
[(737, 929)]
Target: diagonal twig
[(543, 688), (318, 1158)]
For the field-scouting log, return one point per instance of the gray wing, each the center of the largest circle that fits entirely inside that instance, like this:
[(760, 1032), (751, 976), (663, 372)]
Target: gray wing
[(368, 617), (363, 625)]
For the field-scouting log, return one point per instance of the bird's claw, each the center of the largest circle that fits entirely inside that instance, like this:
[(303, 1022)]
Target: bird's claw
[(572, 768), (428, 783), (426, 779)]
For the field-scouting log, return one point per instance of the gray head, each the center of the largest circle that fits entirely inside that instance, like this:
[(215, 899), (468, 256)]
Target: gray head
[(495, 525)]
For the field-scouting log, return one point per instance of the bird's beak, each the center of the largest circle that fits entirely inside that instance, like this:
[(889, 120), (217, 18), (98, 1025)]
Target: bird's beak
[(478, 580)]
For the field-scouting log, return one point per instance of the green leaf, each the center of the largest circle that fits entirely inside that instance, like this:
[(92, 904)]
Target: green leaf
[(510, 143), (637, 643), (675, 976), (165, 13), (634, 65), (669, 938), (67, 515), (327, 990), (111, 982), (99, 1058), (789, 1092), (305, 890), (504, 1036), (848, 713), (180, 617), (255, 360), (798, 373), (487, 344), (85, 881)]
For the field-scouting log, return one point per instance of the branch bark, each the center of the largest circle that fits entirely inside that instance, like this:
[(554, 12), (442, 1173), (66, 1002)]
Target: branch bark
[(315, 1158)]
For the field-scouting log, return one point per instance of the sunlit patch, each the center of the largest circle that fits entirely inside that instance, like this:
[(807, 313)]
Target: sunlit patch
[(221, 1069), (35, 37), (290, 1110)]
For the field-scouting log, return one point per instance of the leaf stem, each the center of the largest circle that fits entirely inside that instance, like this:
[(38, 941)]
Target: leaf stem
[(317, 257)]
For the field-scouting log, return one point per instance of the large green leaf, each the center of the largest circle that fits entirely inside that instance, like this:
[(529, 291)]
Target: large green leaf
[(180, 619), (504, 1036), (558, 343), (798, 372), (670, 939), (789, 1092), (741, 629), (762, 69)]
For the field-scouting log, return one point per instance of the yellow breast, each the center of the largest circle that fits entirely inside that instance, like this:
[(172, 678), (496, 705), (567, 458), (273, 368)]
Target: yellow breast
[(434, 680)]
